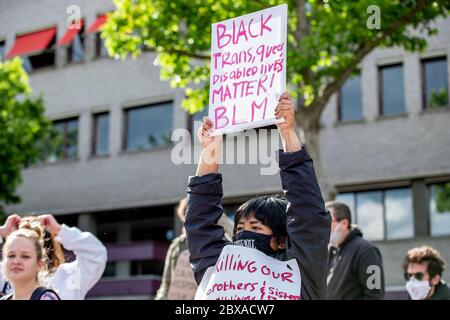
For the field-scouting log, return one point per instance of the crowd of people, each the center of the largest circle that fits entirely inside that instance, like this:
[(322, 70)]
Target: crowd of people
[(334, 259)]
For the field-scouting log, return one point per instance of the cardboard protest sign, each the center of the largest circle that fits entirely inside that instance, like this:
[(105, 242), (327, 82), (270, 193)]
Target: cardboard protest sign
[(248, 274), (248, 69), (182, 284)]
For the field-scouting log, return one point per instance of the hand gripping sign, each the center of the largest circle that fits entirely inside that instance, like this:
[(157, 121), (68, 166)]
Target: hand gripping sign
[(248, 70), (248, 274)]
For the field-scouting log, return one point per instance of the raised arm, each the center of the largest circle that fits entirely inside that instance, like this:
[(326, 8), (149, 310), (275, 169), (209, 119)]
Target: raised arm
[(91, 254), (211, 147), (205, 238), (285, 109), (308, 224)]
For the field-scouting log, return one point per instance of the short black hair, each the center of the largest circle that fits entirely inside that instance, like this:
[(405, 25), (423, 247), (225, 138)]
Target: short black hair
[(270, 210), (340, 211)]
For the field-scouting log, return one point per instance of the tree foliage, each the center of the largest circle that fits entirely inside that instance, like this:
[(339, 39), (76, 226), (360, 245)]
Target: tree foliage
[(326, 40), (24, 129), (442, 197)]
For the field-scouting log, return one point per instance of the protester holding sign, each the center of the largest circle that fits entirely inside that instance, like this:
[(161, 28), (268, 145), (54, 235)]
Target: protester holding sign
[(298, 228)]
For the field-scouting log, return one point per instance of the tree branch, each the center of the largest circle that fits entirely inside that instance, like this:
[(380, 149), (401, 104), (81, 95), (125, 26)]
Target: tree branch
[(301, 30), (300, 33), (182, 53)]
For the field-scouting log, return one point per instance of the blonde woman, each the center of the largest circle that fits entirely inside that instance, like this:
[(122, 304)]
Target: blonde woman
[(71, 280), (23, 261)]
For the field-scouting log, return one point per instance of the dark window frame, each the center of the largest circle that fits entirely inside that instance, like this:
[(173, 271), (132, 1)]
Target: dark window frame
[(428, 187), (3, 44), (50, 51), (125, 124), (383, 206), (339, 102), (98, 47), (65, 146), (423, 79), (95, 117), (98, 40), (380, 88), (82, 34)]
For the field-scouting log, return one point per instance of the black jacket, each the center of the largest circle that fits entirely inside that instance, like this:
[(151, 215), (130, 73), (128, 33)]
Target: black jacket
[(349, 269), (442, 292), (308, 224)]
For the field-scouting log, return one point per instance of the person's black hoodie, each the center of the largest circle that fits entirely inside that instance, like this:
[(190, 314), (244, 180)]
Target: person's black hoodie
[(308, 224), (351, 272), (442, 292)]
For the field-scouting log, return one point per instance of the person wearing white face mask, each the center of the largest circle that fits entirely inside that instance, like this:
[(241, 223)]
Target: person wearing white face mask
[(423, 268), (355, 266)]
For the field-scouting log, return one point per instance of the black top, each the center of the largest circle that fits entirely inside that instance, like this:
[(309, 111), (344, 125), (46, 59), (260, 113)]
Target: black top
[(355, 270), (442, 292)]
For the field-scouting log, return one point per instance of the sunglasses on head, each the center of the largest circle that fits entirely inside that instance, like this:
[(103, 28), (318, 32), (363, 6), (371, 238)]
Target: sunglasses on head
[(417, 275)]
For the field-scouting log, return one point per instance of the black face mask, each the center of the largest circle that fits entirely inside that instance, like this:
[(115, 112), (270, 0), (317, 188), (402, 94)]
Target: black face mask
[(254, 240)]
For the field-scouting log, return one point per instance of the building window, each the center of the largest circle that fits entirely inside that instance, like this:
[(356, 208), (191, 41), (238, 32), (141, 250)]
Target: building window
[(399, 213), (148, 127), (67, 140), (382, 214), (100, 50), (110, 269), (100, 46), (146, 267), (107, 235), (392, 99), (440, 209), (75, 52), (2, 50), (41, 60), (100, 143), (435, 83), (350, 100), (369, 214), (37, 48), (150, 233)]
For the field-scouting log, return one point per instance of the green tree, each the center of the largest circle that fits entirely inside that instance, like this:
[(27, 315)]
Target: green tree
[(24, 130), (438, 98), (442, 197), (2, 216), (327, 40)]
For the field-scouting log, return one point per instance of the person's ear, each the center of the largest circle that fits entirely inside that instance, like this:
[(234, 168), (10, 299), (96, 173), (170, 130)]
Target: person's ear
[(435, 280), (40, 265), (345, 224), (282, 244)]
